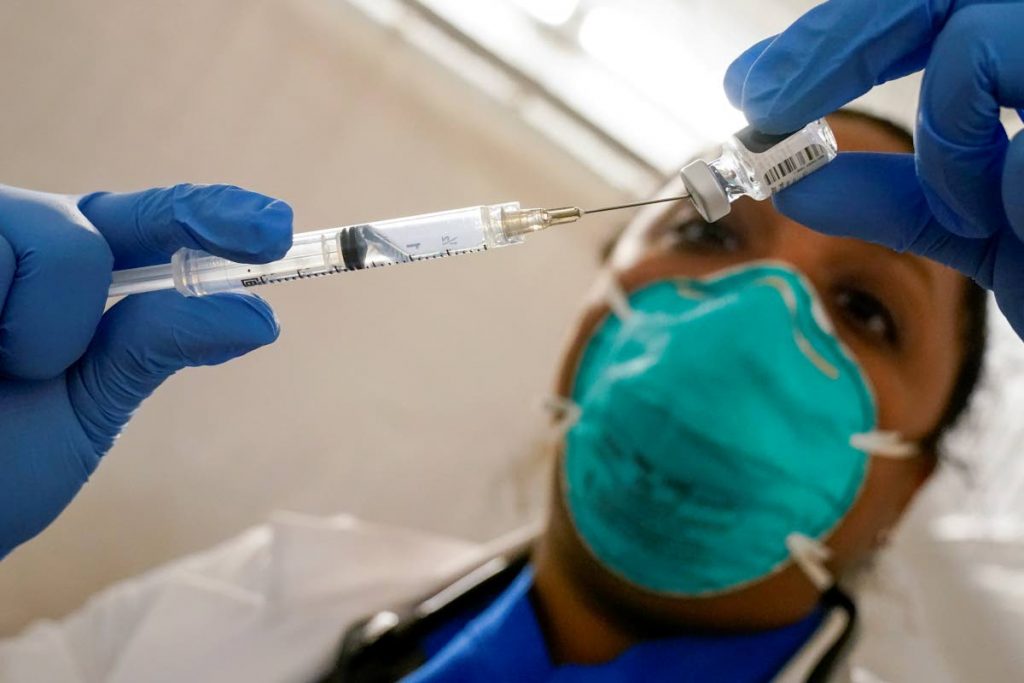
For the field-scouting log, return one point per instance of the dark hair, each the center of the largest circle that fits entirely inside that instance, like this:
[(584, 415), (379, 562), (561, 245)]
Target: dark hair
[(973, 327)]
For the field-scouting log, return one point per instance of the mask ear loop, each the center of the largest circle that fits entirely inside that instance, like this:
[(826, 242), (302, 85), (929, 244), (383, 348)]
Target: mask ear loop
[(615, 296), (810, 555), (565, 413), (885, 444)]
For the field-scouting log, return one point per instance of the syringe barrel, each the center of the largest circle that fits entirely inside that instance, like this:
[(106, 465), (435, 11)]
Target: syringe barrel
[(335, 250), (139, 280), (197, 273)]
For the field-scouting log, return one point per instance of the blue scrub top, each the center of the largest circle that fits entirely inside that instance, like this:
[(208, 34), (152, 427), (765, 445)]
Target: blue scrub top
[(504, 643)]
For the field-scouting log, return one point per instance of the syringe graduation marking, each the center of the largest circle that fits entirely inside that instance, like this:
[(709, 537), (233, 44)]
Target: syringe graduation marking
[(355, 243), (299, 275)]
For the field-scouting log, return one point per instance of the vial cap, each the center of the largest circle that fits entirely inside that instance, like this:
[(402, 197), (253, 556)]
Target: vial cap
[(706, 192)]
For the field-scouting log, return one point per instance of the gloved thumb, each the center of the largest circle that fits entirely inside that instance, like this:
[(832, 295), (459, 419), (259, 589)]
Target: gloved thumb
[(878, 198), (145, 339)]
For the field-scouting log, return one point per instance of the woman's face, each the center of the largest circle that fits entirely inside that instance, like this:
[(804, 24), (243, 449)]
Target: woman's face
[(899, 314)]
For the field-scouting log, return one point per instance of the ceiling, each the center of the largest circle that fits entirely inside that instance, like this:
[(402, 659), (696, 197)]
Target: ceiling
[(631, 89)]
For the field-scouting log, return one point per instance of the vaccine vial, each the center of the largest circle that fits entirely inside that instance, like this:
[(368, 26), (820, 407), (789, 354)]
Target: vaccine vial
[(755, 164)]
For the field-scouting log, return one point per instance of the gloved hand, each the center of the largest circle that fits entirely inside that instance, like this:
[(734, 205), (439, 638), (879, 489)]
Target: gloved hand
[(960, 200), (70, 375)]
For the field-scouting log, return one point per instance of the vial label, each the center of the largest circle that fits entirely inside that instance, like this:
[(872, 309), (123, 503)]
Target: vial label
[(782, 174), (778, 161)]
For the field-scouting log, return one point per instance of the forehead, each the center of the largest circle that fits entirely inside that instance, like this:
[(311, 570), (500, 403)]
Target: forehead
[(858, 135)]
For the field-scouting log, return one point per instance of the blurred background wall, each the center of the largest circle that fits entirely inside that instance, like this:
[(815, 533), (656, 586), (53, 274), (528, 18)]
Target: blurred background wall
[(410, 395), (404, 396)]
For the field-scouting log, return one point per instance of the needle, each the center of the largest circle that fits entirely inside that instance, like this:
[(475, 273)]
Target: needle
[(632, 206), (571, 214)]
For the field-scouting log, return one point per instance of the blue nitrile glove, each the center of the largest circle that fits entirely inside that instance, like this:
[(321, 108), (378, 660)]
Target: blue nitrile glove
[(960, 200), (70, 375)]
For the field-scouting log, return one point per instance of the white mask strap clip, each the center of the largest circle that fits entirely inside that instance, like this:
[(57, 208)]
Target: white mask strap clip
[(810, 555), (885, 444), (564, 412)]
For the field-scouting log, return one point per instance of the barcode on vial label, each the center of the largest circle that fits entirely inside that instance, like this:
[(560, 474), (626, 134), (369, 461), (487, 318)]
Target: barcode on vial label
[(788, 171)]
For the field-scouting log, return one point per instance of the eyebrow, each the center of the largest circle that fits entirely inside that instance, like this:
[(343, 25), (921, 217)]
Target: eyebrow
[(913, 262)]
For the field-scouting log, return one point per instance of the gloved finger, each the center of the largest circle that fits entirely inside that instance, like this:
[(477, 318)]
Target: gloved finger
[(1013, 184), (60, 283), (736, 74), (145, 339), (146, 228), (977, 64), (878, 198), (8, 266), (835, 53)]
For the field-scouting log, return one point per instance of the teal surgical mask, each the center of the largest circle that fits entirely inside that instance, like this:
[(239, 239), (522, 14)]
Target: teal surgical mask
[(721, 430)]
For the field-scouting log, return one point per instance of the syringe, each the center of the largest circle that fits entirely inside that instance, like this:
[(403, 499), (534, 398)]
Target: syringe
[(752, 164), (353, 247)]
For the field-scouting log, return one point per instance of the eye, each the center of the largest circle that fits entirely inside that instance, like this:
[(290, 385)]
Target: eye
[(866, 313), (698, 235)]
